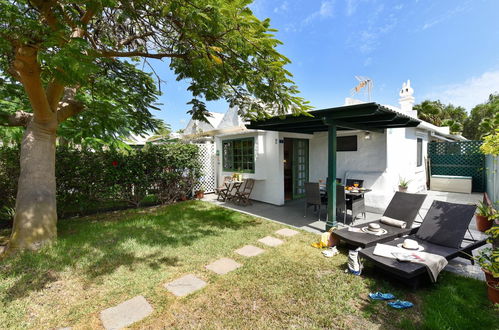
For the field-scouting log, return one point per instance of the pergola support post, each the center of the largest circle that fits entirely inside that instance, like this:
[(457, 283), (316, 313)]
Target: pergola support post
[(331, 172)]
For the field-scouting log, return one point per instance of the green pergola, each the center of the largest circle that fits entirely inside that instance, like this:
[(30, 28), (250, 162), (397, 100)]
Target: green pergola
[(366, 116)]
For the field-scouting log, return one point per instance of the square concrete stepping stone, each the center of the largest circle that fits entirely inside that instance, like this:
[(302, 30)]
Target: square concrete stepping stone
[(223, 266), (286, 232), (270, 241), (126, 313), (185, 285), (249, 251)]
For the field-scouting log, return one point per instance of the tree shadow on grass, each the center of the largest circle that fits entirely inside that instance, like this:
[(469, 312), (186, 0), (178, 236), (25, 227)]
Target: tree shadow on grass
[(95, 246)]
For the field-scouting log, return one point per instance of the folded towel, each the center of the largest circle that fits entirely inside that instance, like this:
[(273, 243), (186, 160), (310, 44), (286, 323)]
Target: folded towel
[(393, 222), (434, 263)]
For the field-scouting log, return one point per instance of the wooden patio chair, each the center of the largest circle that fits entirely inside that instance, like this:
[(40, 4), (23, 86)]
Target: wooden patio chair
[(223, 189), (243, 197), (233, 191)]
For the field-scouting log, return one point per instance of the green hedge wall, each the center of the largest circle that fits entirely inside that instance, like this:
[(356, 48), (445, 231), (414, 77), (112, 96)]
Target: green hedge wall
[(89, 180)]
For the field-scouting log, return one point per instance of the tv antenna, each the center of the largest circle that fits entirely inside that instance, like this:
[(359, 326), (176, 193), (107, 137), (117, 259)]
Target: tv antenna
[(364, 82)]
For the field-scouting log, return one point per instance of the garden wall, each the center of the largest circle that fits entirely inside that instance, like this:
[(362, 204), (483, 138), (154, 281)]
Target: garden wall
[(93, 180)]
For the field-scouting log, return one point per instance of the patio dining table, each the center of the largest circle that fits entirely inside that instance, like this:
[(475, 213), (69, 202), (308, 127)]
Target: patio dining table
[(357, 193)]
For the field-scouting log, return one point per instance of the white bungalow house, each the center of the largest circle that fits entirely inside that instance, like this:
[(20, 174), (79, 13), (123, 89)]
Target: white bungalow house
[(281, 161)]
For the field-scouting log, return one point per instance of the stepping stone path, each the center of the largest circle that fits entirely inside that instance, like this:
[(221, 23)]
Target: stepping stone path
[(249, 251), (126, 313), (286, 232), (185, 285), (223, 266), (270, 241)]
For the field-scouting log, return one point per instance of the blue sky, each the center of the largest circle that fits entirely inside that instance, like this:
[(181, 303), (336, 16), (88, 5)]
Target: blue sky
[(448, 49)]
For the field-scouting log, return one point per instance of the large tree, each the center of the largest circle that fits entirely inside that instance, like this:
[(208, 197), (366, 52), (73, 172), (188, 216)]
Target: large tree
[(68, 60), (483, 119), (439, 114)]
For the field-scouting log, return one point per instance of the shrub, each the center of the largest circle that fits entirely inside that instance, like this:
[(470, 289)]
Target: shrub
[(90, 179)]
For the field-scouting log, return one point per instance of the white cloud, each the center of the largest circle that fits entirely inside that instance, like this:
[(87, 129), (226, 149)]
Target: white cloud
[(326, 10), (378, 23), (368, 61), (282, 8), (351, 7), (399, 6), (445, 16), (469, 93)]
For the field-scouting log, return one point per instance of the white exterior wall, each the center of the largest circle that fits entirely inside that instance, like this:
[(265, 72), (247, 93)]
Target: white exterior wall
[(269, 163), (402, 157), (369, 157), (379, 161)]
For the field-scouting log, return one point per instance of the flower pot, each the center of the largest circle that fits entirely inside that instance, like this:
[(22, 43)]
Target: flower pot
[(493, 292), (489, 277), (199, 194), (482, 223), (402, 189)]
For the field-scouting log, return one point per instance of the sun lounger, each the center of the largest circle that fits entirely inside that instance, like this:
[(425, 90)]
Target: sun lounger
[(442, 232), (403, 206)]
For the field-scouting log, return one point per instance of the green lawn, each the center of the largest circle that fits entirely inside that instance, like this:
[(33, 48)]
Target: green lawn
[(100, 261)]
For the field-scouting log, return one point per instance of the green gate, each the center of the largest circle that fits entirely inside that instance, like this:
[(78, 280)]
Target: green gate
[(462, 158)]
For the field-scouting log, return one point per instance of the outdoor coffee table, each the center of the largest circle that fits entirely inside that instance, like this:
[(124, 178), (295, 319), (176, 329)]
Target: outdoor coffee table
[(364, 240)]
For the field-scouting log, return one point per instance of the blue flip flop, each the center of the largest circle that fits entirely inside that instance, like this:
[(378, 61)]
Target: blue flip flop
[(381, 296), (400, 304)]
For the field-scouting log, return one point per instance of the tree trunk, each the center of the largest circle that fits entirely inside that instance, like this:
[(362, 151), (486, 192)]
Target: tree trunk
[(36, 214)]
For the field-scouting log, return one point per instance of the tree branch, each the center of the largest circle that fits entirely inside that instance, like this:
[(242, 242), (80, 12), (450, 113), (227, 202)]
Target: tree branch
[(54, 92), (46, 9), (130, 39), (19, 118), (26, 65), (113, 53), (68, 109)]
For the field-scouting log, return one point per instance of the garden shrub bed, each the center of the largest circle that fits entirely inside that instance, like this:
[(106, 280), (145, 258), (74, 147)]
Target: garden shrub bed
[(90, 181)]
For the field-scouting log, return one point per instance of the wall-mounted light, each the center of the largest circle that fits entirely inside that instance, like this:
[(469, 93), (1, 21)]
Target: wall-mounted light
[(367, 135)]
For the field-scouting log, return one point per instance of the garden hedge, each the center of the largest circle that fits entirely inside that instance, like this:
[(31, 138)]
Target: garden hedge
[(89, 180)]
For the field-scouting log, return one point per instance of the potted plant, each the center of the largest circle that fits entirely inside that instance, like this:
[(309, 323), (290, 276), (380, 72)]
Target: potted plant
[(403, 184), (493, 292), (488, 259), (200, 193), (484, 216)]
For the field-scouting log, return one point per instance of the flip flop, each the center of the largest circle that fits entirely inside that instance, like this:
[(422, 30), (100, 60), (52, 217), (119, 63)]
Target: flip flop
[(400, 304), (381, 296)]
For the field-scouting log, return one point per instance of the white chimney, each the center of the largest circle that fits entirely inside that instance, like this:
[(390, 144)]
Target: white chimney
[(406, 100)]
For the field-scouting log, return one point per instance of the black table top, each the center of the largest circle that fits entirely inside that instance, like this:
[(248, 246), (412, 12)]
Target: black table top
[(366, 240)]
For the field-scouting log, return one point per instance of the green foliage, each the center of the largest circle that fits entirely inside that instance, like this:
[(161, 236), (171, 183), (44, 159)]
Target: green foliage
[(88, 177), (485, 210), (220, 47), (403, 182), (488, 259), (483, 119), (490, 144), (436, 113)]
